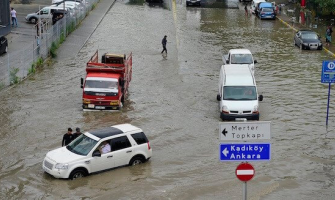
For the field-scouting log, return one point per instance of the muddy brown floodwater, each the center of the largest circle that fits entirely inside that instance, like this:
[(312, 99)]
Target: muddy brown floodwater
[(173, 99)]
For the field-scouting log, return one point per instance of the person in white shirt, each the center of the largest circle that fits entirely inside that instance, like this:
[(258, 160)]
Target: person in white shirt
[(13, 15), (105, 147)]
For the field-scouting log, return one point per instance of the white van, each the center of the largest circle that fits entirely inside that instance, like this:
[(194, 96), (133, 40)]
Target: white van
[(238, 95)]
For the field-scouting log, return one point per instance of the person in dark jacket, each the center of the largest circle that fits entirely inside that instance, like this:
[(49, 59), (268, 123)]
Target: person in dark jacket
[(67, 138), (164, 41), (76, 134)]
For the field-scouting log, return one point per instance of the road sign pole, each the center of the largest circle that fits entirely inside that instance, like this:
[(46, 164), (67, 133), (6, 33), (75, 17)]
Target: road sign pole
[(328, 104), (245, 190)]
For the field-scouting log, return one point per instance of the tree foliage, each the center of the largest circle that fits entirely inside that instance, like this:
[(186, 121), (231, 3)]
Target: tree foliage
[(327, 6)]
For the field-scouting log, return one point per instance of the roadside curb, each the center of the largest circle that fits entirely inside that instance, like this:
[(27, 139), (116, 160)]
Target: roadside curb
[(324, 48)]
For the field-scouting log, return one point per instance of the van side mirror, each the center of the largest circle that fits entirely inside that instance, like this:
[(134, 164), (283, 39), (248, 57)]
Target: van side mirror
[(96, 154), (255, 61), (218, 97), (260, 97), (81, 82)]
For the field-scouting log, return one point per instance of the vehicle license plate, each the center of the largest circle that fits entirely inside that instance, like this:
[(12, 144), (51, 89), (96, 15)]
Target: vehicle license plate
[(99, 107), (90, 105)]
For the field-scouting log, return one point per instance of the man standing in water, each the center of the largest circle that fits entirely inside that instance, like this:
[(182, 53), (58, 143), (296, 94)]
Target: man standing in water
[(164, 41), (67, 138)]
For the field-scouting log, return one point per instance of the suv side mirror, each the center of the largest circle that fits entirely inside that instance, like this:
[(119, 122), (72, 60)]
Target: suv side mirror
[(260, 97), (96, 154), (218, 97), (255, 61), (227, 61), (81, 82)]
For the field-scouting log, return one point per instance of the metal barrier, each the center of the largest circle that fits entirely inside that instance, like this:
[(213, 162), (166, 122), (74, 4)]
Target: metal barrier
[(23, 62)]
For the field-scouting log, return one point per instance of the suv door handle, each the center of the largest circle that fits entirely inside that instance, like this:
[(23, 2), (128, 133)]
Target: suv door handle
[(129, 151), (109, 156)]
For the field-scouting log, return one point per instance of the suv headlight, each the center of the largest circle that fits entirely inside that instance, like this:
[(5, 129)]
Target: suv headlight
[(306, 44), (61, 166)]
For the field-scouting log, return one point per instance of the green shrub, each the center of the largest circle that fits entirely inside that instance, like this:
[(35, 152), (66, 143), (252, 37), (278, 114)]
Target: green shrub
[(14, 79), (32, 69), (53, 49)]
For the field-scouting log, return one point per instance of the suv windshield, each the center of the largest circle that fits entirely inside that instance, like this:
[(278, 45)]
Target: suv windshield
[(239, 93), (241, 59), (82, 145)]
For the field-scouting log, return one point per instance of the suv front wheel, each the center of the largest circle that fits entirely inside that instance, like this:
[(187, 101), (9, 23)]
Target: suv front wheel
[(77, 173), (136, 160)]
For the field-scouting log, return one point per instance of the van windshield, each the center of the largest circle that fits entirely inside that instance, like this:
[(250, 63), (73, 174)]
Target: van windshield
[(82, 145), (241, 59), (239, 93)]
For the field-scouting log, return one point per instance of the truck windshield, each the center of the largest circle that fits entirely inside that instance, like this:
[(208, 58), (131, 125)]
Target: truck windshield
[(101, 84), (82, 145), (241, 59), (239, 93)]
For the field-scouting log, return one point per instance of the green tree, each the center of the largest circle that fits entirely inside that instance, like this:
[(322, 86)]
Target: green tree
[(327, 6)]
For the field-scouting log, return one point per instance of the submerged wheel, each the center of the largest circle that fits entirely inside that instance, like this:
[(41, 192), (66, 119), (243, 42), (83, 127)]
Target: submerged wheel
[(136, 160), (33, 20), (77, 173)]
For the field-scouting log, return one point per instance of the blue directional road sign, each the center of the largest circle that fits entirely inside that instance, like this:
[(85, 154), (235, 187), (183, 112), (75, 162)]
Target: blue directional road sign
[(328, 72), (245, 152)]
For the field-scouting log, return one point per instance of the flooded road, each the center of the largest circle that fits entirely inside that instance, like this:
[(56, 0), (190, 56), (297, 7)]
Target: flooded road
[(173, 99)]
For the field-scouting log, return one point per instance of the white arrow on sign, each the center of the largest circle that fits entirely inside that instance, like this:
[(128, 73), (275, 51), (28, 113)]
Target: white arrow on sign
[(225, 152)]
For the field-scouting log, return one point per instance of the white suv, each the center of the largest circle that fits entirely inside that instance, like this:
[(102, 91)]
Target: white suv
[(129, 146)]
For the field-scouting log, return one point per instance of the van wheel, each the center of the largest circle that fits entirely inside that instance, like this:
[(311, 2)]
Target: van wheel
[(77, 173), (33, 20), (136, 161)]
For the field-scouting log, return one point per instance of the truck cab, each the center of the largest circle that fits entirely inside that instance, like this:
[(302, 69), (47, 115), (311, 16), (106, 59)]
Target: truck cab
[(239, 57), (106, 84)]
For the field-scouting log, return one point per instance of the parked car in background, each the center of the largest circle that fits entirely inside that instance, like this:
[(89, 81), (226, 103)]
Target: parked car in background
[(193, 2), (267, 13), (44, 13), (307, 39), (87, 154), (254, 5), (263, 5), (3, 44)]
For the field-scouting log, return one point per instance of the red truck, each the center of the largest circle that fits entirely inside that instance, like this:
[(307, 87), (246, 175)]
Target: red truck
[(106, 83)]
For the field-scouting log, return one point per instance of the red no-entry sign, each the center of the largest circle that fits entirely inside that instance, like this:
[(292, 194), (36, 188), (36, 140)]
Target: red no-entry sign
[(245, 172)]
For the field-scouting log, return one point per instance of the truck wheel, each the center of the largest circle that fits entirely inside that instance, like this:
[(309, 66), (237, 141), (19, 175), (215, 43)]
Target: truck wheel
[(77, 173), (122, 100), (103, 59), (33, 20), (136, 160)]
